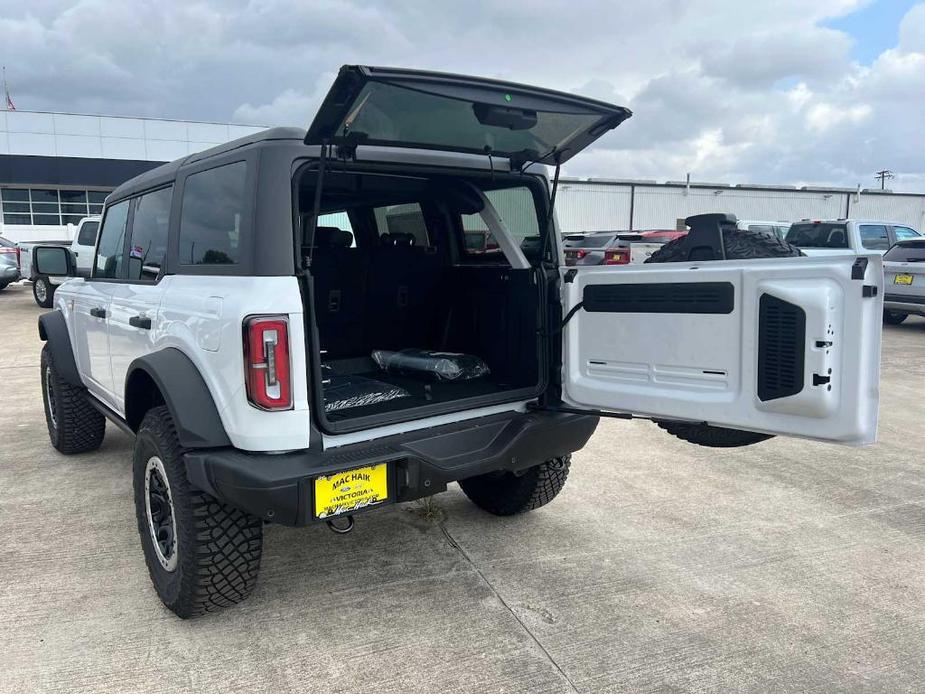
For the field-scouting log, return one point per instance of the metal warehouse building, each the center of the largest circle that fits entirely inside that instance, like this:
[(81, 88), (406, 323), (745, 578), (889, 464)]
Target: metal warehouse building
[(597, 204), (58, 167)]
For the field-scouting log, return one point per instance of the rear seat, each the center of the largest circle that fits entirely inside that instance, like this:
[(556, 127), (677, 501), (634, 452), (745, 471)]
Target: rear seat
[(402, 297), (340, 280)]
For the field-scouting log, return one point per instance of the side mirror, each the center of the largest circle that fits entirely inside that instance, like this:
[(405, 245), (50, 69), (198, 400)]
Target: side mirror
[(52, 261)]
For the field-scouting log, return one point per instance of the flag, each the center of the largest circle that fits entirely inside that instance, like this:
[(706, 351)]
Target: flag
[(10, 106)]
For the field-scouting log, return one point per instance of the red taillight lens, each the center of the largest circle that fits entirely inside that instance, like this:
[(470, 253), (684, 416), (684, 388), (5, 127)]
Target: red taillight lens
[(616, 257), (266, 362), (576, 254)]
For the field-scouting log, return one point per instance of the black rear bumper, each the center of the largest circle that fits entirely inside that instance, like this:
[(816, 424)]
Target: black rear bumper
[(279, 487)]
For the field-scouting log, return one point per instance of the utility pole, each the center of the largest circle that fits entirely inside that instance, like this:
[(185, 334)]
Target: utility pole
[(882, 176)]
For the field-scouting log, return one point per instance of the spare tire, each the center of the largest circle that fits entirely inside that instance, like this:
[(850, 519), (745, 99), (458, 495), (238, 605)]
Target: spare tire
[(739, 245)]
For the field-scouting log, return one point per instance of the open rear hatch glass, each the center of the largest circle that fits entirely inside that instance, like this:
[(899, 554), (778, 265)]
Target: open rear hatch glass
[(429, 110)]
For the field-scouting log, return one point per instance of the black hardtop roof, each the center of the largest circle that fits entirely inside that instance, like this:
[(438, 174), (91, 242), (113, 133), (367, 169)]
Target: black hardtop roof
[(168, 172)]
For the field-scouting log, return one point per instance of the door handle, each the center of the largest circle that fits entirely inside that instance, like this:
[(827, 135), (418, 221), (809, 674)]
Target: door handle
[(140, 322), (98, 312)]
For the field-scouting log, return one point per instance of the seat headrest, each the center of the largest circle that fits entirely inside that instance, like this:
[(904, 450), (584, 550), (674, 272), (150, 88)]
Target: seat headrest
[(332, 237), (397, 239), (837, 238)]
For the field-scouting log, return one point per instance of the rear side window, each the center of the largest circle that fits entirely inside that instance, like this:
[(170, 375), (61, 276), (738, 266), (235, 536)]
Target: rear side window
[(87, 234), (111, 245), (402, 220), (516, 208), (148, 244), (820, 235), (907, 252), (211, 215), (903, 233), (874, 237)]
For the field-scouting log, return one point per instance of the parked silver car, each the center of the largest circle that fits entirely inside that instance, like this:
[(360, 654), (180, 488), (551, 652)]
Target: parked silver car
[(904, 281)]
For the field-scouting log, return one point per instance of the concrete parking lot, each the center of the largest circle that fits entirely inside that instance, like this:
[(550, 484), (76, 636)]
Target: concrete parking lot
[(785, 566)]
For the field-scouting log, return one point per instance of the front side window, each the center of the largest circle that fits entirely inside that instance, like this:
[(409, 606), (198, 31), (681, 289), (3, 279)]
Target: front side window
[(111, 245), (211, 215), (904, 233), (874, 237), (148, 244)]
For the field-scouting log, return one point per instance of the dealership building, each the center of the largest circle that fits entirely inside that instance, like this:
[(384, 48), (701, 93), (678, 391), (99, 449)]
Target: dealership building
[(58, 167)]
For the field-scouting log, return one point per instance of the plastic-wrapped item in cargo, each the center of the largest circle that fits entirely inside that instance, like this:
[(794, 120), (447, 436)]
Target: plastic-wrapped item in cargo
[(441, 366), (343, 392)]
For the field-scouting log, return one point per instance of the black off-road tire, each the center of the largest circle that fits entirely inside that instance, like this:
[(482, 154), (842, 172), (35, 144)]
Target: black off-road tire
[(739, 245), (216, 548), (43, 291), (74, 425), (894, 317), (714, 437), (508, 494)]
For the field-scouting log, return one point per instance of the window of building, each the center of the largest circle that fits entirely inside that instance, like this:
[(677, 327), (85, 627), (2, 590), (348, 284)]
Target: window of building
[(108, 262), (49, 206), (211, 215), (148, 244), (874, 237)]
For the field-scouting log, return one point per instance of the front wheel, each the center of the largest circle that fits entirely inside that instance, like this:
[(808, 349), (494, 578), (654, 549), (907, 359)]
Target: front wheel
[(43, 291), (74, 425), (510, 493), (202, 554), (894, 317)]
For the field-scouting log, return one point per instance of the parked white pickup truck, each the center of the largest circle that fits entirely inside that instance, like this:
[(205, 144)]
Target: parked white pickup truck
[(82, 245), (847, 236)]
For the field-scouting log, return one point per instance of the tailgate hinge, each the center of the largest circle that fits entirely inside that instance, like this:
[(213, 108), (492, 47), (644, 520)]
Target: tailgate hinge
[(536, 407)]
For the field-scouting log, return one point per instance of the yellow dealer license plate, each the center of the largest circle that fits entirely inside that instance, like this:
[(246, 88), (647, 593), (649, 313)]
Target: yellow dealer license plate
[(902, 279), (352, 490)]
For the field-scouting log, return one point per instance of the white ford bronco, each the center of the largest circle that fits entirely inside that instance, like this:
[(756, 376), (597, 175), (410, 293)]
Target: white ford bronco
[(295, 329)]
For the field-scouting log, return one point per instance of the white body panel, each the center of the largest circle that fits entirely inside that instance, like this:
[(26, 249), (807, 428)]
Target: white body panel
[(704, 367)]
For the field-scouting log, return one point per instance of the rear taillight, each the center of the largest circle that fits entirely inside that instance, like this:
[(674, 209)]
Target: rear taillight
[(576, 254), (266, 362), (616, 257)]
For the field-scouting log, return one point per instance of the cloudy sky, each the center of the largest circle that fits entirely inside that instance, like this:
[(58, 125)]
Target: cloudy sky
[(759, 91)]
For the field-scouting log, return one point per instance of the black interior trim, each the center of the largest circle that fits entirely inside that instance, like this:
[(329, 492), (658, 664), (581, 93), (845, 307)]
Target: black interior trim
[(660, 297)]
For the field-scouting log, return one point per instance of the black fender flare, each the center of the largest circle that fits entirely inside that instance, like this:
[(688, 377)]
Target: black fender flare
[(185, 393), (53, 331)]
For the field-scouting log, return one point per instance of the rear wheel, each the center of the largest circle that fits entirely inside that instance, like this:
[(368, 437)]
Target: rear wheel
[(509, 493), (739, 245), (202, 555), (894, 317), (43, 291)]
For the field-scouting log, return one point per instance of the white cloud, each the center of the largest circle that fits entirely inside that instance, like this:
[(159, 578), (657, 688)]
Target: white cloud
[(757, 91)]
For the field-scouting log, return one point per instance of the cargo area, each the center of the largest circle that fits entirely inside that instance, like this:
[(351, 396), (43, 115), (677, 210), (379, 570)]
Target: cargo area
[(417, 306)]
